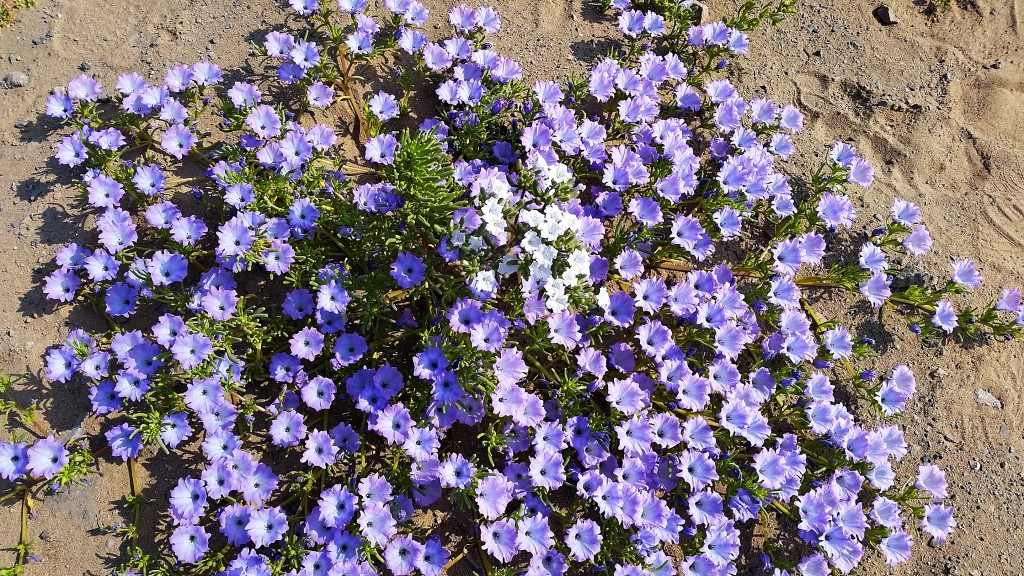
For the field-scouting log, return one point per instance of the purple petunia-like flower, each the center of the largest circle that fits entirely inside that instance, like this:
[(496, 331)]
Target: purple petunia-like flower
[(938, 521), (584, 540), (408, 270), (61, 285), (307, 343), (266, 526), (381, 149), (945, 317), (125, 441), (932, 479), (966, 274), (876, 289), (191, 349), (403, 555), (499, 540), (190, 543), (188, 501), (320, 451), (178, 141), (13, 460), (493, 494), (47, 457)]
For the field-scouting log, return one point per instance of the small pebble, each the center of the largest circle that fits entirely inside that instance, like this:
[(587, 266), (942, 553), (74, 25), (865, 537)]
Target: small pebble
[(15, 80), (985, 398)]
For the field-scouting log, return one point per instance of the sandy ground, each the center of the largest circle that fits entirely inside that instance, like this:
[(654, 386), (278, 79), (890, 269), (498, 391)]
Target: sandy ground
[(936, 102)]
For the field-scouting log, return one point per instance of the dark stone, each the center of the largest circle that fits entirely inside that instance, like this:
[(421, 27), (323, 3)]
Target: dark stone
[(41, 39), (885, 16)]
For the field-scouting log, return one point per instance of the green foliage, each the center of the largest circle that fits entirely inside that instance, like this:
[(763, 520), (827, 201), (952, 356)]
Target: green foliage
[(9, 7)]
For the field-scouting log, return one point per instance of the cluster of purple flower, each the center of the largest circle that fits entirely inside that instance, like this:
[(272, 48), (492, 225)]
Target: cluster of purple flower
[(559, 347)]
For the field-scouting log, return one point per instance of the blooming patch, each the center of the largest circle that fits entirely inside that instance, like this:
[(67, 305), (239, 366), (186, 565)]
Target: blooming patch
[(572, 314)]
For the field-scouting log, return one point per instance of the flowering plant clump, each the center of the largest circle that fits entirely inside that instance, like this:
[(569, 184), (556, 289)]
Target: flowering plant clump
[(572, 315)]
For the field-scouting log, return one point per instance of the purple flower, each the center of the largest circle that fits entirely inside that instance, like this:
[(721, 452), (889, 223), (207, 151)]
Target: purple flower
[(104, 192), (499, 540), (381, 149), (320, 450), (938, 521), (403, 555), (319, 95), (319, 392), (264, 121), (876, 289), (287, 429), (332, 297), (125, 441), (220, 303), (174, 429), (547, 469), (408, 270), (61, 285), (872, 258), (906, 213), (493, 494), (945, 317), (896, 547), (166, 268), (456, 472), (534, 536), (918, 242), (191, 349), (861, 173), (564, 330), (584, 540), (188, 501), (190, 543), (60, 105), (965, 274), (47, 457), (376, 523), (384, 106), (13, 460), (932, 479), (791, 119), (84, 88), (307, 343), (71, 151), (178, 141), (266, 526), (836, 211)]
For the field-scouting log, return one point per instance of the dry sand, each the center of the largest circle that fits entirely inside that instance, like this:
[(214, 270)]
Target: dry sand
[(936, 102)]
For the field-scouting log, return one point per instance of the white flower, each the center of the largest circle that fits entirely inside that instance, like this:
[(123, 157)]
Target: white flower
[(532, 218), (580, 260), (493, 216), (531, 242), (546, 255), (458, 238), (557, 299), (539, 271), (485, 281), (558, 173)]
